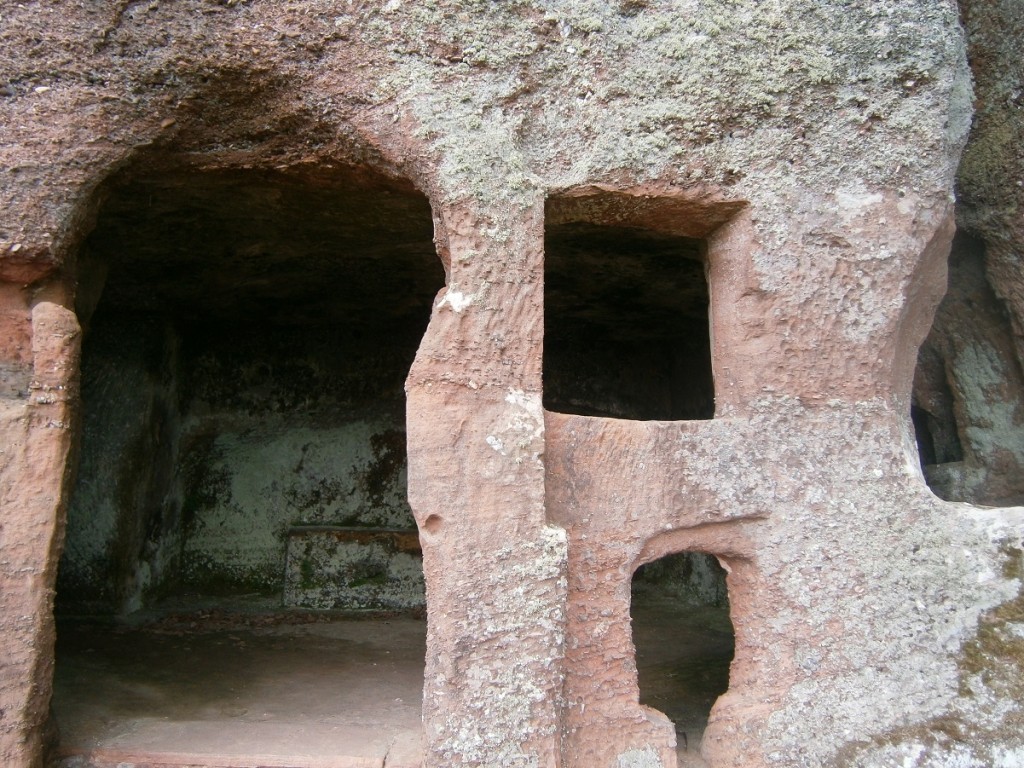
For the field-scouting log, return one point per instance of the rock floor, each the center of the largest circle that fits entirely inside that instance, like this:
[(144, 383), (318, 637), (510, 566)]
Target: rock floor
[(227, 688)]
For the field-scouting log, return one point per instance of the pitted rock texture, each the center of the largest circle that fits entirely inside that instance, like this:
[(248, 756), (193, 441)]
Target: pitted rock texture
[(810, 147)]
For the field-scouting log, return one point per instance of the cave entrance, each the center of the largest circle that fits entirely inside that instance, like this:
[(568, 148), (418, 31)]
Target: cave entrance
[(684, 642), (241, 491)]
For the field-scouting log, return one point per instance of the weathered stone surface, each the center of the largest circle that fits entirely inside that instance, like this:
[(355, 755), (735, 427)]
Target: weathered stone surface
[(811, 147), (353, 568), (36, 461)]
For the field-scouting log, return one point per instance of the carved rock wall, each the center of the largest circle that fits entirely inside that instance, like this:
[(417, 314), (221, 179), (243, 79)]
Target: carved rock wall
[(811, 146)]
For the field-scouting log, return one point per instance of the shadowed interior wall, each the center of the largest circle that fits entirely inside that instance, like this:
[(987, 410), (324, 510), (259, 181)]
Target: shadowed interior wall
[(688, 578), (247, 341), (968, 411)]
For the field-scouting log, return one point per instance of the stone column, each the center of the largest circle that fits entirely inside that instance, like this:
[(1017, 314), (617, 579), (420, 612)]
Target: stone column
[(495, 570), (37, 415)]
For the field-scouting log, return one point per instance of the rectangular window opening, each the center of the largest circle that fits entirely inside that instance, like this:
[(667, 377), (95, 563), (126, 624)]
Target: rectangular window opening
[(626, 329)]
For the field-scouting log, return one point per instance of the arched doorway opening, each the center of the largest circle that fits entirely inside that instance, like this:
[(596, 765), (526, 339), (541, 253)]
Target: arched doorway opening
[(684, 642), (241, 492)]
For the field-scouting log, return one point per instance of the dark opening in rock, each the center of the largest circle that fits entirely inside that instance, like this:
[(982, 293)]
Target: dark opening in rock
[(937, 441), (626, 330), (247, 339), (967, 411), (684, 640)]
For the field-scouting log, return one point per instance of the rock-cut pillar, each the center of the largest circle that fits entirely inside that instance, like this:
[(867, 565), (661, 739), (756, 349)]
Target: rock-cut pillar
[(495, 570), (40, 352)]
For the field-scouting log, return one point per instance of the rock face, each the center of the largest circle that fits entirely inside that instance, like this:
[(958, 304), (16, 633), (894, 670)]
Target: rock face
[(728, 222)]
